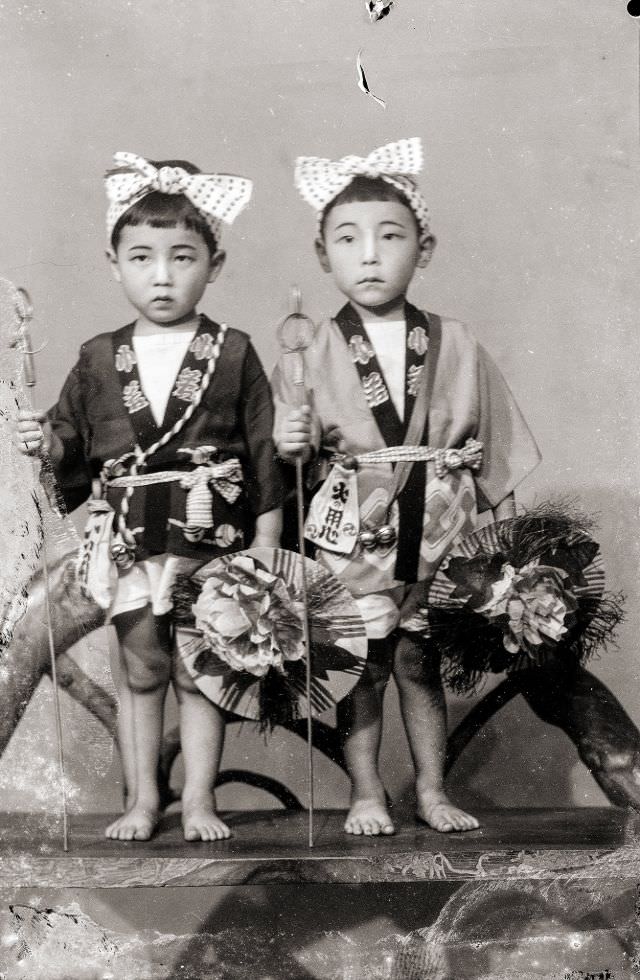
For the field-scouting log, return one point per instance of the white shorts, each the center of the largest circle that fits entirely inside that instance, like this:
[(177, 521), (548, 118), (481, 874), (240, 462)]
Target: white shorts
[(150, 582), (381, 611)]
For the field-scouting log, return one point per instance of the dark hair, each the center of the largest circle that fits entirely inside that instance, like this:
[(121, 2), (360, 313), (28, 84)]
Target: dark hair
[(367, 189), (166, 211)]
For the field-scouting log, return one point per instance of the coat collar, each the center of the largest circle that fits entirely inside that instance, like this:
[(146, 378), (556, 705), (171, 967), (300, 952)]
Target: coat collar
[(372, 379), (187, 383)]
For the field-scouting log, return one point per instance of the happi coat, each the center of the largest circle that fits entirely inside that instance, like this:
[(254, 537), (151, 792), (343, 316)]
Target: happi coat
[(103, 414), (469, 399)]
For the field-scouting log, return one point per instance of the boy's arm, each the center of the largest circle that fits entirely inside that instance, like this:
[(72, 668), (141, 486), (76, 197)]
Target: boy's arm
[(298, 435), (34, 436), (263, 478), (297, 430), (268, 529), (70, 440)]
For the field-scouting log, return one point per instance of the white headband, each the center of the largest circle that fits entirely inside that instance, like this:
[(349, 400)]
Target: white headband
[(320, 180), (218, 197)]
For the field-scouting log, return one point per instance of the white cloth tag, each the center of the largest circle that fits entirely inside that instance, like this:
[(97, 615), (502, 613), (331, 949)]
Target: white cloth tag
[(333, 521), (98, 573)]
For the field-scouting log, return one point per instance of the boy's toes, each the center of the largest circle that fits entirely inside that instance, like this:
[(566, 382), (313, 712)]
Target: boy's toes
[(203, 823), (368, 818), (353, 827), (136, 824), (443, 816), (464, 821)]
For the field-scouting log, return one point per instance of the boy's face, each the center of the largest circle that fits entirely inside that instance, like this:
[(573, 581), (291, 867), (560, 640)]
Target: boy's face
[(372, 250), (164, 271)]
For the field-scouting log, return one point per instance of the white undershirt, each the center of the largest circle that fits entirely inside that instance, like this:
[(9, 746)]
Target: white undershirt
[(388, 339), (380, 610), (159, 355)]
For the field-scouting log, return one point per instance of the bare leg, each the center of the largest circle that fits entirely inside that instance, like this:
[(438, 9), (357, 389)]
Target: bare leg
[(202, 737), (360, 722), (145, 667), (125, 734), (416, 670)]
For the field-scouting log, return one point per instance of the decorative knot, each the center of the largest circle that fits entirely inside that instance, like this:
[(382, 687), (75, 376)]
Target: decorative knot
[(448, 460)]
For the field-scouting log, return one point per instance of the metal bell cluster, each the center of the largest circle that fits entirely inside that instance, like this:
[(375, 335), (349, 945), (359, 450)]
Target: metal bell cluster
[(380, 537), (123, 552)]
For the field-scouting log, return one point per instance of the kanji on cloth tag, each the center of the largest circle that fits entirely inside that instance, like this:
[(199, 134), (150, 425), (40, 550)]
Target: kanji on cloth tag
[(333, 521)]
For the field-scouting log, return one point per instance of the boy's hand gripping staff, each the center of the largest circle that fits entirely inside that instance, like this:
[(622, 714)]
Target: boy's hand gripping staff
[(24, 309), (295, 334)]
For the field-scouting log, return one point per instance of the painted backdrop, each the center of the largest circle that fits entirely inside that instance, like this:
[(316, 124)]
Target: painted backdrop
[(528, 113)]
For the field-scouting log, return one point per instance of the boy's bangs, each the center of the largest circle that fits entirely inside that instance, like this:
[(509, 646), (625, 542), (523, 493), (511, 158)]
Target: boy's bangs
[(165, 211), (362, 189)]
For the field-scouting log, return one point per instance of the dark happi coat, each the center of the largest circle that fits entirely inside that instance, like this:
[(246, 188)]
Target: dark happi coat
[(103, 413), (469, 400)]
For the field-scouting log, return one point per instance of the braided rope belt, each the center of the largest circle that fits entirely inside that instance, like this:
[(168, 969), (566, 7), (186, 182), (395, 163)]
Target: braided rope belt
[(225, 478), (445, 460), (326, 522), (222, 472)]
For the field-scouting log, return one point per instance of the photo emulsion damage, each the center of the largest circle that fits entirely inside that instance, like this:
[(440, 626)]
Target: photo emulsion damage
[(319, 582)]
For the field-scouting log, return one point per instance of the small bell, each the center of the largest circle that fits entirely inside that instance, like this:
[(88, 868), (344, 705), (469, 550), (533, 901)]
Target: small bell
[(123, 556), (349, 462), (386, 535), (193, 533), (368, 540)]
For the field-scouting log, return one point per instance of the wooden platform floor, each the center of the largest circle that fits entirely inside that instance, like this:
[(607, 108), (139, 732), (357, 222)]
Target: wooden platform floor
[(270, 846)]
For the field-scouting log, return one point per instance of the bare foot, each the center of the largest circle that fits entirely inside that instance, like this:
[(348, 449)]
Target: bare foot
[(368, 817), (438, 812), (201, 822), (137, 823)]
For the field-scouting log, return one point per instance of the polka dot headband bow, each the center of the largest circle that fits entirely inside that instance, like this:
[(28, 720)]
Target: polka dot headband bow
[(218, 197), (319, 180)]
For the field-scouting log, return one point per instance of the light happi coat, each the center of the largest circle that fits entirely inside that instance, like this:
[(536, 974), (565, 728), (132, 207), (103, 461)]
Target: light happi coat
[(469, 400)]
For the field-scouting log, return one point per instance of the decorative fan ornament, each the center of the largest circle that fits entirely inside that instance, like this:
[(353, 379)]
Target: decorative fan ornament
[(518, 593), (239, 631)]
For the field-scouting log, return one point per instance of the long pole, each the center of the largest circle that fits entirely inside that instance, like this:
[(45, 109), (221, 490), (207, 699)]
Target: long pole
[(295, 334), (305, 602), (26, 314)]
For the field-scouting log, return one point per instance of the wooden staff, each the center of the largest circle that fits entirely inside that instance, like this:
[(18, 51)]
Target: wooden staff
[(25, 313), (295, 334)]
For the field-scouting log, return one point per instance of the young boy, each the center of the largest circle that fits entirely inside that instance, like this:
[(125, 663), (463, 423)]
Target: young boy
[(385, 378), (171, 418)]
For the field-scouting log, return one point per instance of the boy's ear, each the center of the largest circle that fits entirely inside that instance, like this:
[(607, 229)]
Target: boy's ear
[(428, 246), (112, 259), (321, 252), (215, 266)]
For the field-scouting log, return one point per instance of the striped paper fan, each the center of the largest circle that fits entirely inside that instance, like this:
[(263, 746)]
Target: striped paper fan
[(239, 634), (518, 593)]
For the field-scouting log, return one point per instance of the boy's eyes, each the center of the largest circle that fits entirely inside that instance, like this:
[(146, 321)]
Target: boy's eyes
[(142, 259), (386, 236)]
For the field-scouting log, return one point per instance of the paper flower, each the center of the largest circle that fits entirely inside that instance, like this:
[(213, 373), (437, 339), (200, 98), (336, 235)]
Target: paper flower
[(250, 618), (239, 630), (535, 601), (518, 594)]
